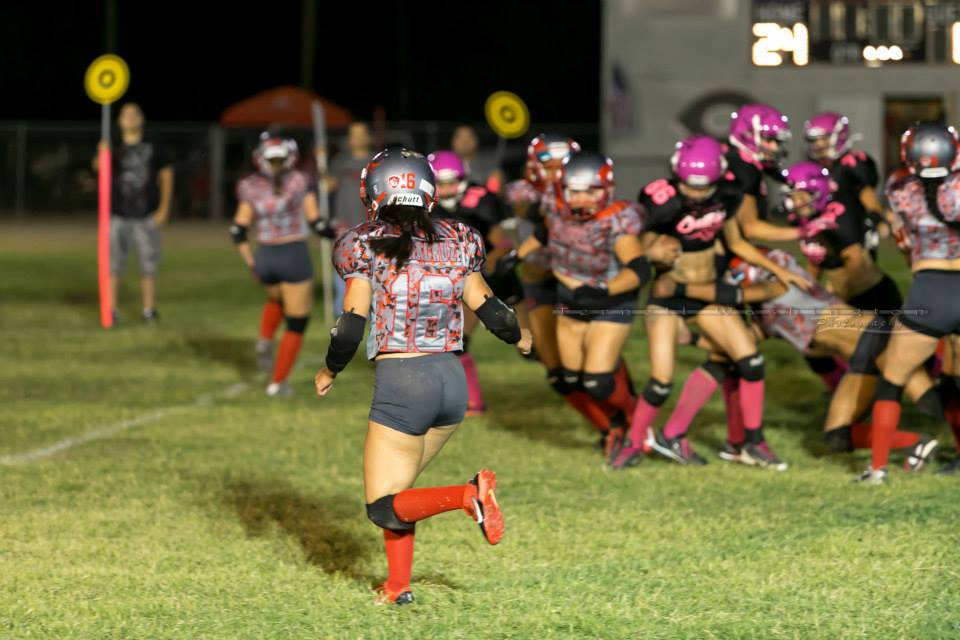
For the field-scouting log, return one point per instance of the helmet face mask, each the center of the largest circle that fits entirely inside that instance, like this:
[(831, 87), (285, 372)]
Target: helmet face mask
[(274, 155), (397, 176), (808, 189), (588, 183), (759, 131), (545, 156), (828, 136)]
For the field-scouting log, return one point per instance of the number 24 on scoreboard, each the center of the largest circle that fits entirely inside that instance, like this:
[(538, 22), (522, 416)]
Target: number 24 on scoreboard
[(773, 40)]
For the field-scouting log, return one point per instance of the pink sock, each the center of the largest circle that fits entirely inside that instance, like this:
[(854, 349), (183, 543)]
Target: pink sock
[(832, 379), (474, 394), (751, 403), (731, 399), (696, 391), (643, 417)]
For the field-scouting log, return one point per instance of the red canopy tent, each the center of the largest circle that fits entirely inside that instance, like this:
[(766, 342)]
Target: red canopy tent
[(286, 105)]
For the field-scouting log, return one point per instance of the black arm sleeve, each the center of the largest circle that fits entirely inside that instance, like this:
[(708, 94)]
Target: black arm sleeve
[(499, 319), (345, 336)]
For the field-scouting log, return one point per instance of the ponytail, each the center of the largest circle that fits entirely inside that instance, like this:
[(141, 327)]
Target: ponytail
[(411, 220)]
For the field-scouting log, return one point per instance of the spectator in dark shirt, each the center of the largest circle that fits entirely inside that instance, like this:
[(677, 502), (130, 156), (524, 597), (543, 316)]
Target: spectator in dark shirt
[(140, 204), (482, 166)]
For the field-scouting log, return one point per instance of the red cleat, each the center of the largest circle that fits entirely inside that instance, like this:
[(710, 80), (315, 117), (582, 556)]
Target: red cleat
[(480, 501)]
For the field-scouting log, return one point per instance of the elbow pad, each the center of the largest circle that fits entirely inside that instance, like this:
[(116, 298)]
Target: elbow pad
[(239, 233), (641, 266), (499, 319), (345, 336), (729, 295)]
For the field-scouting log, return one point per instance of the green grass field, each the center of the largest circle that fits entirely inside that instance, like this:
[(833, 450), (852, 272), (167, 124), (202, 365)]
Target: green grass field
[(220, 513)]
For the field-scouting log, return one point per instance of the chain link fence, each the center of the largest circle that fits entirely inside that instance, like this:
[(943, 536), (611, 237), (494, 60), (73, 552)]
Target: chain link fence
[(47, 167)]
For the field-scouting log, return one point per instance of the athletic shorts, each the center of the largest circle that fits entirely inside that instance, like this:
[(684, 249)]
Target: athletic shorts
[(138, 234), (683, 307), (539, 294), (933, 303), (287, 262), (870, 345), (621, 308), (883, 296), (411, 395)]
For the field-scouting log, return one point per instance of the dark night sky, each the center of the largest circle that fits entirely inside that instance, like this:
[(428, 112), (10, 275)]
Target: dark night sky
[(421, 60)]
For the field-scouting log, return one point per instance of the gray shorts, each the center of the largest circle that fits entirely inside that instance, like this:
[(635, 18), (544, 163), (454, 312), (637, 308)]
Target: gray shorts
[(134, 233), (413, 394)]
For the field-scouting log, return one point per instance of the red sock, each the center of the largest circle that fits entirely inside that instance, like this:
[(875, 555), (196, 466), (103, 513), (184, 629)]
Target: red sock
[(287, 355), (698, 388), (270, 319), (622, 398), (589, 409), (413, 505), (886, 417), (399, 548), (751, 403), (731, 400), (862, 437)]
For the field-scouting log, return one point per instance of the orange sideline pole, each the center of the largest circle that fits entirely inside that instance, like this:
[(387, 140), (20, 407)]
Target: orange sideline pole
[(105, 165)]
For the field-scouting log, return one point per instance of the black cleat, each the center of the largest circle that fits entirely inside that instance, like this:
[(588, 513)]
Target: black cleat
[(920, 454), (676, 449), (950, 468)]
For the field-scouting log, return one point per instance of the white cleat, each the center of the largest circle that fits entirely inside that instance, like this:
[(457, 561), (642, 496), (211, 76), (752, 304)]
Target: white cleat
[(279, 389), (873, 477)]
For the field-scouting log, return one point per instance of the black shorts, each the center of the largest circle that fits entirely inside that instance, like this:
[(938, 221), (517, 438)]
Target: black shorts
[(683, 307), (288, 262), (870, 345), (883, 296), (933, 303), (540, 294), (411, 395), (621, 308)]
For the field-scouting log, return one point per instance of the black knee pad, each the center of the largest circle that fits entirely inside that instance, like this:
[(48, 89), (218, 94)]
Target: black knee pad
[(886, 390), (656, 392), (930, 405), (556, 379), (821, 364), (381, 513), (600, 386), (716, 370), (751, 367), (297, 325), (838, 440)]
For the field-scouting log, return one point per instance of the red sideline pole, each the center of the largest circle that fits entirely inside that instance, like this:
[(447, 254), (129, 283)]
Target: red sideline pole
[(105, 165)]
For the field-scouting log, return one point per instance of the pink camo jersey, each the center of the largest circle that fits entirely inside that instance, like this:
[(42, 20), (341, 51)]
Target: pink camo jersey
[(416, 308), (931, 238), (794, 316), (583, 249), (278, 214)]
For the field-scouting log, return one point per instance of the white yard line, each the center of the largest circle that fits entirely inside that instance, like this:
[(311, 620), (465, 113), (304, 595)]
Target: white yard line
[(204, 400)]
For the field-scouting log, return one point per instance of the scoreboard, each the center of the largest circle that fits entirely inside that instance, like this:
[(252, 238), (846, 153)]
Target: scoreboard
[(873, 33)]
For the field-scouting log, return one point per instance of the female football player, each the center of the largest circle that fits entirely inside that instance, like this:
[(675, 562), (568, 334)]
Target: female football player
[(279, 200), (815, 322), (697, 207), (412, 272), (595, 253), (534, 198), (928, 200), (832, 237), (473, 205)]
